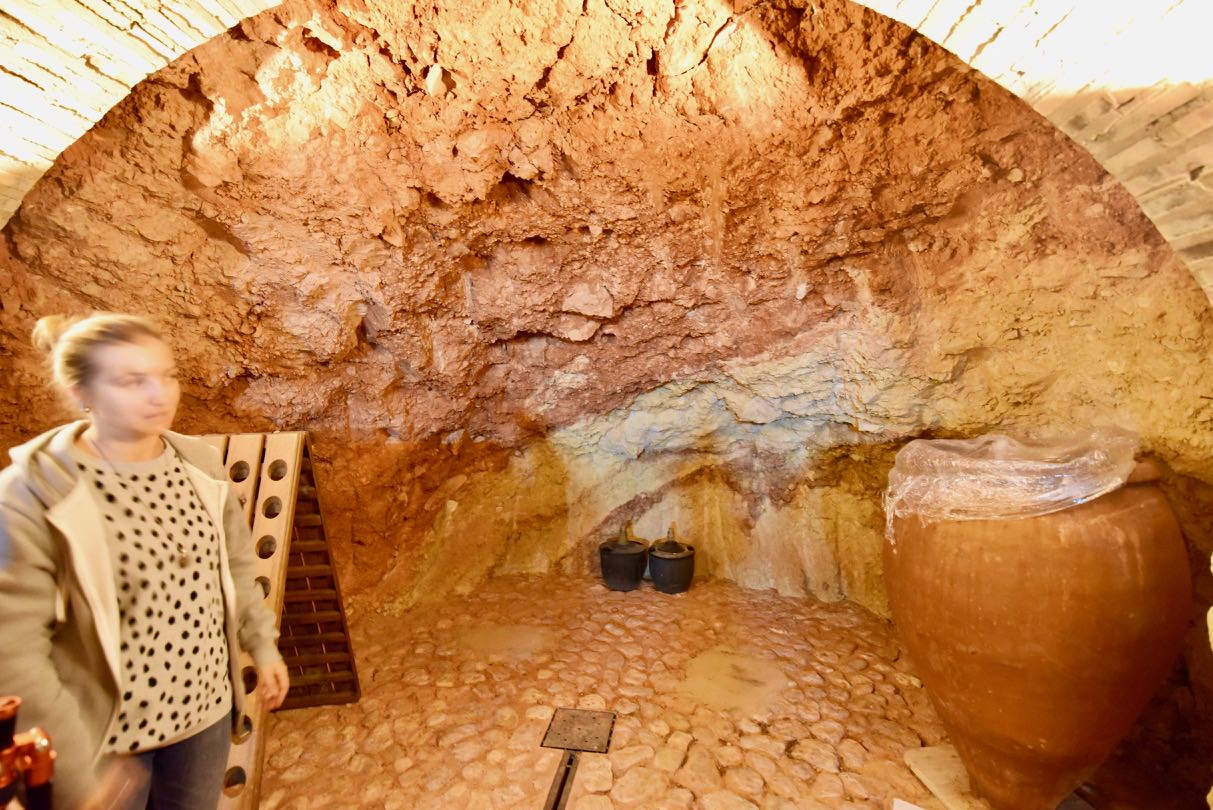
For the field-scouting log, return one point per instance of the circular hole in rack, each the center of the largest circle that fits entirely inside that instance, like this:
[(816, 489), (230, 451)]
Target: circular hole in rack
[(266, 547), (264, 582), (250, 679), (234, 781), (244, 729), (272, 507), (239, 471), (277, 470)]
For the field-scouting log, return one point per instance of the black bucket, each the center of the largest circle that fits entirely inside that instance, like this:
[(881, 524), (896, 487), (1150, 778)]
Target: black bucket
[(671, 565), (623, 563)]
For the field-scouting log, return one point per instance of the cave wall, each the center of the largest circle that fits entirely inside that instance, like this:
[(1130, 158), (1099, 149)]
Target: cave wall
[(529, 274)]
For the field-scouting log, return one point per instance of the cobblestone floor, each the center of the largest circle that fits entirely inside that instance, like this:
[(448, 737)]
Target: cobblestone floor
[(726, 698)]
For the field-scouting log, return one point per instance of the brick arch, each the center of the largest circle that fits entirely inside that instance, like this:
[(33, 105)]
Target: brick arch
[(68, 62), (1130, 82)]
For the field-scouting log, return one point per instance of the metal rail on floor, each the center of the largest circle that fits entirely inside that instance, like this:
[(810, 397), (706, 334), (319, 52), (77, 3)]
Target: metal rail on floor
[(574, 731)]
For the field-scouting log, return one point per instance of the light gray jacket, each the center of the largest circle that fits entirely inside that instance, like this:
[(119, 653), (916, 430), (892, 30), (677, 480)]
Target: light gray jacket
[(59, 625)]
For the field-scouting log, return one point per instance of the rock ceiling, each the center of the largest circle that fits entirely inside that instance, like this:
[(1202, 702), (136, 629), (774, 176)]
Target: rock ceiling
[(529, 270)]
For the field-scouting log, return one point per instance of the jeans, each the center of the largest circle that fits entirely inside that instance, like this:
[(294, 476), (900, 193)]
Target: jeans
[(187, 775)]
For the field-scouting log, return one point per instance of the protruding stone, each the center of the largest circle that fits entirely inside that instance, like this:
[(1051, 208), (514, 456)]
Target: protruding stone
[(818, 754), (594, 773), (680, 740), (467, 750), (827, 787), (852, 754), (593, 803), (763, 743), (763, 763), (745, 781), (574, 328), (856, 787), (830, 731), (639, 787), (729, 756), (747, 725), (725, 800), (675, 799), (589, 299), (507, 795), (622, 759), (781, 784), (592, 703), (699, 773), (668, 759)]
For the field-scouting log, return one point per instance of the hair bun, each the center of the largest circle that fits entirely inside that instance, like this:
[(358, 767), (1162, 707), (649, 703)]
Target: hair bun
[(48, 330)]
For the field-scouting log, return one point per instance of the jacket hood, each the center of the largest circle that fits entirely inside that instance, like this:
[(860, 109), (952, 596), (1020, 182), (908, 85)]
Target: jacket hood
[(44, 463)]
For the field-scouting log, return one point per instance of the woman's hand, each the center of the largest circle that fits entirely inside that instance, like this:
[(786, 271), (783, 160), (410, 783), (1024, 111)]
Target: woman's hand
[(273, 681)]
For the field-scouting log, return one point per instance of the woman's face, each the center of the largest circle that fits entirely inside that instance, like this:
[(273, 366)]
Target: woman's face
[(134, 390)]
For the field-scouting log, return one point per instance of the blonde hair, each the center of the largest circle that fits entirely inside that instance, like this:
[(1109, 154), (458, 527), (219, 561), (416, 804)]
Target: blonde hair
[(70, 343)]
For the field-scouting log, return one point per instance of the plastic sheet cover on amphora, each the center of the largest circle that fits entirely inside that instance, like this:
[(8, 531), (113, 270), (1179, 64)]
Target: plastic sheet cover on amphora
[(997, 477)]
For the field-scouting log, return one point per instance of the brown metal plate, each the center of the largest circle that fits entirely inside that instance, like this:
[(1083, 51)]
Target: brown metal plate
[(580, 730)]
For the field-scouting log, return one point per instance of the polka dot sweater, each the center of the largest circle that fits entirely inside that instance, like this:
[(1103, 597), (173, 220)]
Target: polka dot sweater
[(165, 553)]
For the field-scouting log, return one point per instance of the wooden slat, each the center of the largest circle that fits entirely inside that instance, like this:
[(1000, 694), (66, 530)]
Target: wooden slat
[(305, 639), (304, 546), (317, 659), (282, 454), (273, 474), (326, 698), (304, 571), (311, 617), (311, 595), (246, 754), (245, 449), (322, 678)]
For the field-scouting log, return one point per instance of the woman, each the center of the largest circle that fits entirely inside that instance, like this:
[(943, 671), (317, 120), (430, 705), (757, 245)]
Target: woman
[(127, 581)]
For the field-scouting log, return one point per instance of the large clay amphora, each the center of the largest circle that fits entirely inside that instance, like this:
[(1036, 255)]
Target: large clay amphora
[(1041, 639)]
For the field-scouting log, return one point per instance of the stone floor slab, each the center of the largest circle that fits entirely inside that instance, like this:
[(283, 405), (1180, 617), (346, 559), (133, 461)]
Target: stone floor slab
[(725, 698)]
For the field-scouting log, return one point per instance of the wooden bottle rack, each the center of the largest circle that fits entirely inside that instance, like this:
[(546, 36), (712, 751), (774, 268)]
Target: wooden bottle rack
[(272, 473)]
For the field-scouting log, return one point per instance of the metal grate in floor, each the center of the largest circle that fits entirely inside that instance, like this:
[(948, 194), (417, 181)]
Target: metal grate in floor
[(574, 730), (580, 730)]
